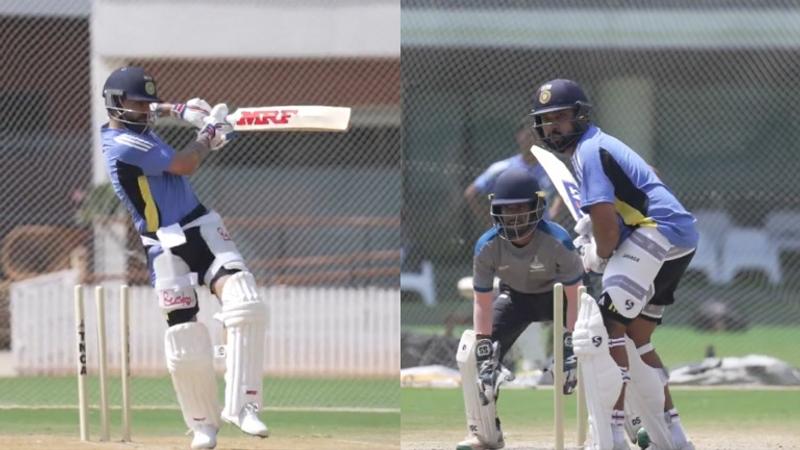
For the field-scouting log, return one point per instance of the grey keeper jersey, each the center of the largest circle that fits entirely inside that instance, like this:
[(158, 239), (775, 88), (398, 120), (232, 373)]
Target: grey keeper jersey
[(548, 258)]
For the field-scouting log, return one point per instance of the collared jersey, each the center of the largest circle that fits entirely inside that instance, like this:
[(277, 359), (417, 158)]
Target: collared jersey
[(608, 171), (137, 165), (547, 259)]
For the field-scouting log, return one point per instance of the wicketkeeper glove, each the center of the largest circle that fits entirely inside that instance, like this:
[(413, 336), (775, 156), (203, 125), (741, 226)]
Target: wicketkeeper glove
[(487, 356)]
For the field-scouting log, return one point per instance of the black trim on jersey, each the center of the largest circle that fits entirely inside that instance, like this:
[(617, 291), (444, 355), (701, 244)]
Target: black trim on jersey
[(624, 189), (194, 214), (128, 176), (195, 252)]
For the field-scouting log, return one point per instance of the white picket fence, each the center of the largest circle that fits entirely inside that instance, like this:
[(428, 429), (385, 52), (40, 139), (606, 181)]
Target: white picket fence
[(310, 331)]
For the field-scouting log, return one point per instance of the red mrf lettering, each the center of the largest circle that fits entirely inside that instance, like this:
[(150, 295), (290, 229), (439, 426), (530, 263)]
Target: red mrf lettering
[(266, 117)]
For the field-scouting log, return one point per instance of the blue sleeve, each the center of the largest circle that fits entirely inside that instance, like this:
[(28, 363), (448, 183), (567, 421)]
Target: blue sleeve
[(153, 161), (483, 263), (485, 181), (595, 185)]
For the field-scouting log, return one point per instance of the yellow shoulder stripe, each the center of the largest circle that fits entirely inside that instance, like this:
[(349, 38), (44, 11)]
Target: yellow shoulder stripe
[(150, 211), (631, 216)]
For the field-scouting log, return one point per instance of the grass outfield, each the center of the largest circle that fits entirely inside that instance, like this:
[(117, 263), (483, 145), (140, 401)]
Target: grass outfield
[(164, 430), (303, 414), (717, 419), (170, 423), (679, 345), (444, 408), (278, 392)]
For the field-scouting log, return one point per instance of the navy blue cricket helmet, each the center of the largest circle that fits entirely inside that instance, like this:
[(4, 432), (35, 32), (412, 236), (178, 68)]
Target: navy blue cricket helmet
[(516, 186), (558, 95), (131, 83)]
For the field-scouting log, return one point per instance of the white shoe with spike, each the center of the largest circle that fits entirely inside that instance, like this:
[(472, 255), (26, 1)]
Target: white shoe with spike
[(205, 436), (249, 422)]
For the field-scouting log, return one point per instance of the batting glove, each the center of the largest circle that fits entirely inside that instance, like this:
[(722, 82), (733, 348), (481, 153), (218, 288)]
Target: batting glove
[(587, 249), (194, 111), (216, 132), (584, 226)]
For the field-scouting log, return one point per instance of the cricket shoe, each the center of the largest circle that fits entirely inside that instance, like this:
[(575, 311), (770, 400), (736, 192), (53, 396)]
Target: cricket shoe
[(618, 437), (679, 440), (248, 421), (473, 443), (685, 446), (205, 436), (638, 436)]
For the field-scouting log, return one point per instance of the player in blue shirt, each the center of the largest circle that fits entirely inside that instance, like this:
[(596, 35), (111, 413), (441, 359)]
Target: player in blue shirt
[(483, 185), (640, 237), (187, 245)]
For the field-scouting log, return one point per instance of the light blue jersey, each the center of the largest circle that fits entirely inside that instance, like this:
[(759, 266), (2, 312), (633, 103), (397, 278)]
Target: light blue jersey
[(484, 183), (608, 171), (137, 165)]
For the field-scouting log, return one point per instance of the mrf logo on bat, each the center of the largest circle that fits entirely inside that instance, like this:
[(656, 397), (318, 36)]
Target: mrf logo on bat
[(266, 116)]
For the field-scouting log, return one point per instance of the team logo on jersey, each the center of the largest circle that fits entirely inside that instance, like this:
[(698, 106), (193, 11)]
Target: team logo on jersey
[(544, 95), (536, 266), (150, 88)]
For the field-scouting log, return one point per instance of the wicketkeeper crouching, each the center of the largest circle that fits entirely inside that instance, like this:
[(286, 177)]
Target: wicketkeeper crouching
[(529, 255)]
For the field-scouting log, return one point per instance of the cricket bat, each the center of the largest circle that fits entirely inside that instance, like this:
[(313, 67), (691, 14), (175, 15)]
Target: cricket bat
[(562, 179), (290, 118)]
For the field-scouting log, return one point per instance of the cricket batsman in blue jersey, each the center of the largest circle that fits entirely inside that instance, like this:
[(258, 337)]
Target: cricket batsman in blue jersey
[(187, 246), (641, 239)]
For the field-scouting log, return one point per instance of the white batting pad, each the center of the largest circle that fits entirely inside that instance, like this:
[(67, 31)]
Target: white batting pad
[(645, 397), (189, 359), (602, 380), (244, 316), (482, 421)]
